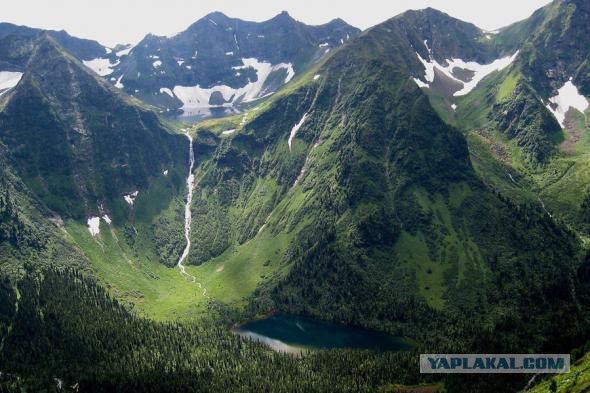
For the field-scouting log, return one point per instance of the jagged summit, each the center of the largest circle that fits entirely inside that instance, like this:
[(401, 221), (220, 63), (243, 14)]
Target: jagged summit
[(221, 60)]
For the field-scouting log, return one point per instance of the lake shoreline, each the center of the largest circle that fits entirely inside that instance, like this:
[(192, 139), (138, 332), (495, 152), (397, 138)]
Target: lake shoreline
[(298, 334), (274, 344)]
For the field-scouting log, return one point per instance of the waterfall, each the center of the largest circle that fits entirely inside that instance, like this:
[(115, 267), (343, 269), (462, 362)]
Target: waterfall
[(190, 185)]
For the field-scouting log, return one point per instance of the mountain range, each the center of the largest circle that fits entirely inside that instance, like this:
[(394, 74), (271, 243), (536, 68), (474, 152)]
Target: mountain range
[(424, 177), (220, 61)]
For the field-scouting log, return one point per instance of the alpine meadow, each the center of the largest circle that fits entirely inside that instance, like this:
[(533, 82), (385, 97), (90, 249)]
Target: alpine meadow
[(276, 206)]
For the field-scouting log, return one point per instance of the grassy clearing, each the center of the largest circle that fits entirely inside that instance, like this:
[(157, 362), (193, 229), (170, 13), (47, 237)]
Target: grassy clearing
[(124, 257), (236, 273), (507, 86), (138, 280), (412, 250), (153, 290)]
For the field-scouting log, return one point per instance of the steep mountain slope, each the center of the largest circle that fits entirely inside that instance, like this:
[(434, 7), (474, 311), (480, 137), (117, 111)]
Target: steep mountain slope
[(222, 61), (77, 142), (29, 233), (371, 211), (556, 46), (17, 44), (529, 121), (104, 169), (81, 48)]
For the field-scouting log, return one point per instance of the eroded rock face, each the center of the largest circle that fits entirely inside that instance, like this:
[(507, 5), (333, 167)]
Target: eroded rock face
[(216, 99), (219, 51)]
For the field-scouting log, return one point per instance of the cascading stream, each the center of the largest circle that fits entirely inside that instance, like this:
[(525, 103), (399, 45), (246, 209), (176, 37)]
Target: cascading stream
[(190, 185)]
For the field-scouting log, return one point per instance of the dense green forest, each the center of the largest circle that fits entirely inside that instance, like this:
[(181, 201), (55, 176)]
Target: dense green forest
[(357, 194), (65, 333)]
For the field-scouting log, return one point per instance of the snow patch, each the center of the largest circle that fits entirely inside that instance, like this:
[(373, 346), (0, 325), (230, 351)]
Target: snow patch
[(296, 128), (119, 85), (229, 53), (454, 106), (167, 91), (420, 83), (323, 44), (427, 47), (94, 225), (212, 21), (316, 77), (157, 63), (124, 52), (9, 79), (480, 70), (130, 199), (107, 219), (198, 97), (102, 67), (229, 132), (567, 97), (165, 173), (179, 62)]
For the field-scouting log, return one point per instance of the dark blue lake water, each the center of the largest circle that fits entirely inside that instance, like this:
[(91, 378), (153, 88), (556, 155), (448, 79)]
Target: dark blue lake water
[(283, 332)]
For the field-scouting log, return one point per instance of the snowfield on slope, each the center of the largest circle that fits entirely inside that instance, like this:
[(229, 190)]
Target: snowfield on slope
[(567, 97), (93, 225), (198, 97), (124, 52), (102, 67), (9, 79), (166, 91), (296, 128), (480, 71)]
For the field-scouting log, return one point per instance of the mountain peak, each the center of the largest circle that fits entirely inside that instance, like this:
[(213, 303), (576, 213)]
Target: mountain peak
[(216, 15), (283, 16), (46, 48), (337, 22)]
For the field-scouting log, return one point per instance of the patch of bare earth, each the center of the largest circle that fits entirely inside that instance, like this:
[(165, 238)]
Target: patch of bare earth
[(444, 85), (497, 149), (572, 135)]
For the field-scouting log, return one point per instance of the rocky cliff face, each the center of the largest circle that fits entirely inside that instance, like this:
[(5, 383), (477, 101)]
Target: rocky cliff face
[(223, 61)]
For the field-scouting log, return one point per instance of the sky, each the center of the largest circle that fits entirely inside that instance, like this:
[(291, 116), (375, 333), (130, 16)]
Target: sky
[(128, 21)]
